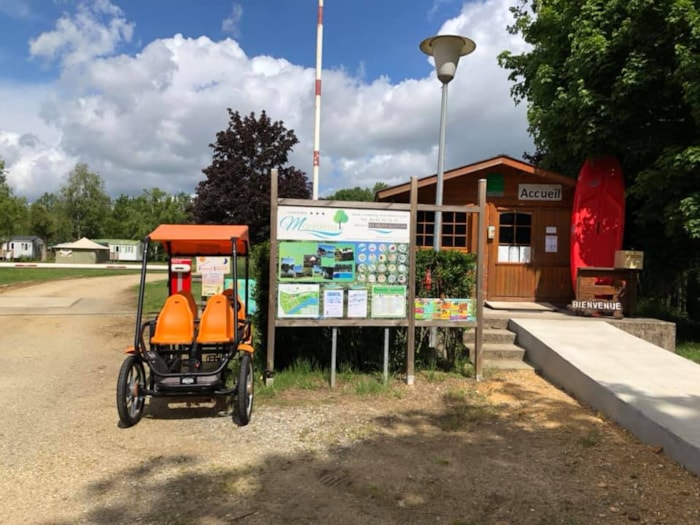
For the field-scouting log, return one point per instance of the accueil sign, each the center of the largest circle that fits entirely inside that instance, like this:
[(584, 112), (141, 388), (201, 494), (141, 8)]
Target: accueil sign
[(539, 192)]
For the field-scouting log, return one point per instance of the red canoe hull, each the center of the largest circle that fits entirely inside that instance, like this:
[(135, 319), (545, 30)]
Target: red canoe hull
[(598, 215)]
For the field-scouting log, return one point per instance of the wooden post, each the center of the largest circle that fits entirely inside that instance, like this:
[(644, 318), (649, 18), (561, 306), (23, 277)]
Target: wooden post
[(411, 339), (272, 290), (480, 274)]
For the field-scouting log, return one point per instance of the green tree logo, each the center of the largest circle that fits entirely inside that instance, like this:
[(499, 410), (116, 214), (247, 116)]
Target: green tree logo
[(340, 217)]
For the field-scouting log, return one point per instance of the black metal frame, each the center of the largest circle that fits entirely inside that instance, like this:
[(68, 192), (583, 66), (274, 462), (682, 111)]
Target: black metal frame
[(190, 383)]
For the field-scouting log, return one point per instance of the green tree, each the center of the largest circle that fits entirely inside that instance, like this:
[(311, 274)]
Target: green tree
[(124, 221), (622, 78), (237, 187), (48, 219), (85, 202), (357, 194), (14, 214)]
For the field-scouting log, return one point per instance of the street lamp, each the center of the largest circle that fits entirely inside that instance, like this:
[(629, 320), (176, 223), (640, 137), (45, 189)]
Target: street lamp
[(446, 50)]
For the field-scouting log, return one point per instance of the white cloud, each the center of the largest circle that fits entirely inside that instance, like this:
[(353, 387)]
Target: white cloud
[(33, 166), (146, 120), (84, 36), (231, 24)]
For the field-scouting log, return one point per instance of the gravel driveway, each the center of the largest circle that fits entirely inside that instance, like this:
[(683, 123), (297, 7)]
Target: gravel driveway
[(511, 450)]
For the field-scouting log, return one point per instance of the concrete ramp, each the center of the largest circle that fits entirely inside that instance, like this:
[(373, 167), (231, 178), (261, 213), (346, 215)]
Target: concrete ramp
[(653, 393)]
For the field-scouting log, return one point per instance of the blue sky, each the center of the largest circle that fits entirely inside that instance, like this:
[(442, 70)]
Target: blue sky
[(137, 89)]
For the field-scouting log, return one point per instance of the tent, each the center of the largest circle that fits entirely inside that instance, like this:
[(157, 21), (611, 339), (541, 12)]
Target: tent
[(83, 251)]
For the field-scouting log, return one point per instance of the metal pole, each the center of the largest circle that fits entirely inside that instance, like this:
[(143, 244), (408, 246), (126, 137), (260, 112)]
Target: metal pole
[(317, 103), (437, 236), (334, 353), (385, 376)]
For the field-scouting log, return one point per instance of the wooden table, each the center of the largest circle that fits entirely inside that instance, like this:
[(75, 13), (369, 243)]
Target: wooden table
[(606, 291)]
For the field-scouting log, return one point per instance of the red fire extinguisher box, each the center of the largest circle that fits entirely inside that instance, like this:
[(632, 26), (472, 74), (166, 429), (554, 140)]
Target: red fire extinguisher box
[(180, 275)]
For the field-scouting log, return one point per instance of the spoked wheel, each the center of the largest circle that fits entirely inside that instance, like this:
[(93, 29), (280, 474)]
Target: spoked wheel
[(243, 396), (130, 388)]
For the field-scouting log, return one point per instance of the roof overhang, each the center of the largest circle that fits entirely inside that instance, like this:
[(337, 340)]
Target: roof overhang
[(472, 169), (201, 239)]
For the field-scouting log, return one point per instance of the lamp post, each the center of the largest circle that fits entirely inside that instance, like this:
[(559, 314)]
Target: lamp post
[(446, 50)]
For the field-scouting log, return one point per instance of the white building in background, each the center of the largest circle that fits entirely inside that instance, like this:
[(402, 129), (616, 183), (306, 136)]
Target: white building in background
[(23, 247), (123, 249)]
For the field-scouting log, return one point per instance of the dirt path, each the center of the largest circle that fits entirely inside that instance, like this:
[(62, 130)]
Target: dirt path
[(509, 450)]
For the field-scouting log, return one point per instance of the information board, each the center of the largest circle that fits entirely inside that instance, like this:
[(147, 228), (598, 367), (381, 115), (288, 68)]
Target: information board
[(342, 263)]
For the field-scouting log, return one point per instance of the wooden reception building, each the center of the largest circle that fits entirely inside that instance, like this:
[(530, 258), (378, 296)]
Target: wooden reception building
[(528, 225)]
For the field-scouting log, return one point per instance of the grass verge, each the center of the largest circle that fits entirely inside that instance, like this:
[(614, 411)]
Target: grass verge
[(26, 275), (689, 350)]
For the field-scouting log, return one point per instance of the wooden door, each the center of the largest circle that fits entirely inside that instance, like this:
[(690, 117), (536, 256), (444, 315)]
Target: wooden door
[(552, 247), (528, 256)]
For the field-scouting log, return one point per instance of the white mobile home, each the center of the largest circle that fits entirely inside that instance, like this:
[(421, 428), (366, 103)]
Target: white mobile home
[(23, 247), (123, 249)]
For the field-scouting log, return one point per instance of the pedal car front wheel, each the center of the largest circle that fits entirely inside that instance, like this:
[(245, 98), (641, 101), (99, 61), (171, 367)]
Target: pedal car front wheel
[(243, 396), (130, 388)]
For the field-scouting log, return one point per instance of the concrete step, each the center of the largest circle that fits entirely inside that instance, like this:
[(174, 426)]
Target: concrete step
[(506, 351), (491, 336), (501, 364), (498, 336), (499, 351), (496, 322)]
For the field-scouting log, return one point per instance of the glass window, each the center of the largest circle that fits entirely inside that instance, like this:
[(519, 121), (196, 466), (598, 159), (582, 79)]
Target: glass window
[(514, 237), (454, 229)]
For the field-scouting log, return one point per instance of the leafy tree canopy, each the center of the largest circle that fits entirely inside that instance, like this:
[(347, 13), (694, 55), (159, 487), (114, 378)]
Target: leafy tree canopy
[(13, 210), (237, 187), (85, 202), (620, 78), (357, 193)]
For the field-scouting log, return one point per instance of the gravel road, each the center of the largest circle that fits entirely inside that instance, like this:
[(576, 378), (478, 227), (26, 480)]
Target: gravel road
[(62, 455), (512, 450)]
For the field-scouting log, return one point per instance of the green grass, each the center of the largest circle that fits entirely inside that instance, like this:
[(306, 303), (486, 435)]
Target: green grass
[(302, 375), (157, 291), (689, 350), (305, 375), (26, 275)]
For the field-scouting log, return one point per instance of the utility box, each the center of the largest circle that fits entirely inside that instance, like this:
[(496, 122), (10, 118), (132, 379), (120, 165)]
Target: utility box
[(180, 275), (630, 260)]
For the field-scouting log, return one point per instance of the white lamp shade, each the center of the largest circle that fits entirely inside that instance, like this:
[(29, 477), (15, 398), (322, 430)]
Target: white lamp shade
[(446, 50)]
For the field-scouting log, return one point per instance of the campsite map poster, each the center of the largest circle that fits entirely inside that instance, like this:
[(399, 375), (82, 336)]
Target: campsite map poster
[(298, 300), (356, 261)]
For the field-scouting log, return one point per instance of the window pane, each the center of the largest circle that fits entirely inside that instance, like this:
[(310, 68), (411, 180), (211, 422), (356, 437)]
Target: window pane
[(461, 229), (447, 229), (505, 235), (522, 236), (523, 219), (507, 218)]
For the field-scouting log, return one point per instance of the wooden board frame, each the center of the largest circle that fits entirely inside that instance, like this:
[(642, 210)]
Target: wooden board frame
[(410, 321)]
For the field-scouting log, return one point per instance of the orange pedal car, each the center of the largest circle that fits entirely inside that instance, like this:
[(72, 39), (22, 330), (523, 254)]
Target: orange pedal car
[(180, 352)]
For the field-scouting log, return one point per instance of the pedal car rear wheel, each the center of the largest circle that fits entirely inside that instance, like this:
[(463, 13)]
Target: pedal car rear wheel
[(243, 397), (130, 387)]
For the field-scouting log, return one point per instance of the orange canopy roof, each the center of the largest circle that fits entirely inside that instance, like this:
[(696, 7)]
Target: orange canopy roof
[(201, 239)]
